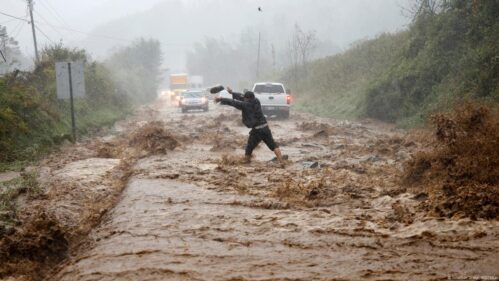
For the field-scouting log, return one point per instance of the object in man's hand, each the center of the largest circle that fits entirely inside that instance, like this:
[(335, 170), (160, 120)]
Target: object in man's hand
[(216, 89)]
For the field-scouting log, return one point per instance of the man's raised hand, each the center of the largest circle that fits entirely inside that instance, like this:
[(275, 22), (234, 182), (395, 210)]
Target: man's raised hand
[(218, 99), (229, 89)]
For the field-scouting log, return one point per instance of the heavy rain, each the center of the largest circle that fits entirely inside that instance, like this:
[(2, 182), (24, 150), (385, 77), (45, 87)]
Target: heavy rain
[(249, 140)]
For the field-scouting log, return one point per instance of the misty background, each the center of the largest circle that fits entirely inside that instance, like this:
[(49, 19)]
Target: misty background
[(181, 26)]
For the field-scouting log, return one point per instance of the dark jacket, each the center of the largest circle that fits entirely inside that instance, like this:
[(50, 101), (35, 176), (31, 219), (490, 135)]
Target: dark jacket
[(251, 110)]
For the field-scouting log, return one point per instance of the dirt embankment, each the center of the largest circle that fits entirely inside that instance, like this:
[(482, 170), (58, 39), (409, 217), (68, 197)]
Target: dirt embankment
[(76, 187)]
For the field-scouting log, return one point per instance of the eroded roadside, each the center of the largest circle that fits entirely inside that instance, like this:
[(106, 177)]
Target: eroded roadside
[(338, 211), (73, 189)]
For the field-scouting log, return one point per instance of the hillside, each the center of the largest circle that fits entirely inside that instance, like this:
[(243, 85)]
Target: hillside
[(446, 55)]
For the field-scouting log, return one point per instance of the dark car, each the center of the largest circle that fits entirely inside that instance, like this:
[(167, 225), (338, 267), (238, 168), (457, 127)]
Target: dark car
[(193, 100)]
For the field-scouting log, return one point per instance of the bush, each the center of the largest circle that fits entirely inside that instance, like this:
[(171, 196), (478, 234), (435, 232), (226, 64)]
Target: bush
[(32, 119)]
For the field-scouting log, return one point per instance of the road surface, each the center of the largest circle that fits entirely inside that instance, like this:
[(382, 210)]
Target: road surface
[(199, 213)]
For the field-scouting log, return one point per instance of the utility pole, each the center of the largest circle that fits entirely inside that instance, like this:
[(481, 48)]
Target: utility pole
[(4, 59), (273, 57), (30, 7), (258, 58), (4, 38)]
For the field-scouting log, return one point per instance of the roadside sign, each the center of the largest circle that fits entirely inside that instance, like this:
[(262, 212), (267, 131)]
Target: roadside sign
[(70, 82), (77, 79)]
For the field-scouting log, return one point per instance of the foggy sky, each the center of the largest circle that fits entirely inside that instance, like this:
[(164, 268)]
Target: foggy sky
[(178, 24), (69, 14)]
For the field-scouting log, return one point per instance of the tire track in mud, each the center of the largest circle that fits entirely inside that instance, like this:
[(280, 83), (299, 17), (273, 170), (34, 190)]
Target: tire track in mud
[(197, 213)]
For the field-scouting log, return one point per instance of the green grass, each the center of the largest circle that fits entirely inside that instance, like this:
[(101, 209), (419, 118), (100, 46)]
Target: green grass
[(33, 121), (15, 166), (32, 149), (26, 184), (346, 106)]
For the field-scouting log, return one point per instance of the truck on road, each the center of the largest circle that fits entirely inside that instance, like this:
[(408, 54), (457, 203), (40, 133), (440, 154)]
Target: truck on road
[(274, 98), (179, 83)]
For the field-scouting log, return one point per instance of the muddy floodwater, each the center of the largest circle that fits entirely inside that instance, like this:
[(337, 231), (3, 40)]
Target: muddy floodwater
[(337, 211)]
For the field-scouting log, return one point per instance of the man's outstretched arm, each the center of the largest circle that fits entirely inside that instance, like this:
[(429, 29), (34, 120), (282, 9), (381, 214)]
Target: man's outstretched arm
[(235, 95), (232, 102)]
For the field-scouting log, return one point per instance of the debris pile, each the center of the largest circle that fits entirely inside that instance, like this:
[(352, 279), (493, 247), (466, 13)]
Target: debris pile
[(153, 138), (39, 242), (314, 126), (231, 160), (460, 172), (110, 149), (310, 188), (224, 143)]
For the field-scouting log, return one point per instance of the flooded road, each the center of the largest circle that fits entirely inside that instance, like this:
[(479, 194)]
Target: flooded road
[(336, 212)]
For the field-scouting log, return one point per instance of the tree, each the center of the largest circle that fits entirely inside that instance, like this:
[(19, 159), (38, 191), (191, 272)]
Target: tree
[(138, 69), (11, 57), (300, 49), (424, 8)]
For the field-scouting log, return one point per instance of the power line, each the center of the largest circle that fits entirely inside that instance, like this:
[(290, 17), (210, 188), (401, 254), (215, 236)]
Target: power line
[(53, 11), (89, 34), (38, 14), (46, 36), (68, 28), (98, 35), (1, 53), (16, 29), (14, 17), (19, 29)]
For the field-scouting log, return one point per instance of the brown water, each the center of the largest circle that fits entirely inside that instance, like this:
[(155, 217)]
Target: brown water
[(198, 213)]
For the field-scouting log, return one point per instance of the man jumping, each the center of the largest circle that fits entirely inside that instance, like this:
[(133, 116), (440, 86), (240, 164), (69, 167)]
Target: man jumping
[(253, 118)]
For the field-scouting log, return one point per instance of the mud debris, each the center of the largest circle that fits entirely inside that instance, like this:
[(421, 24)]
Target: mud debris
[(37, 244), (214, 207), (460, 172), (153, 138), (185, 213), (315, 126)]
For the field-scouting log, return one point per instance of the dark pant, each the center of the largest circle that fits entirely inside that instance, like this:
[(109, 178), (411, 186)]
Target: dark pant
[(258, 135)]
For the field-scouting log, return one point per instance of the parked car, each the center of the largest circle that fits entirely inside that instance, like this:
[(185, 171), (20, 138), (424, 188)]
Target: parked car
[(193, 99), (274, 98)]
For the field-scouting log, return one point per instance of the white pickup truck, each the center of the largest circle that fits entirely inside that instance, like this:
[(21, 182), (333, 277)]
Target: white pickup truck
[(274, 98)]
